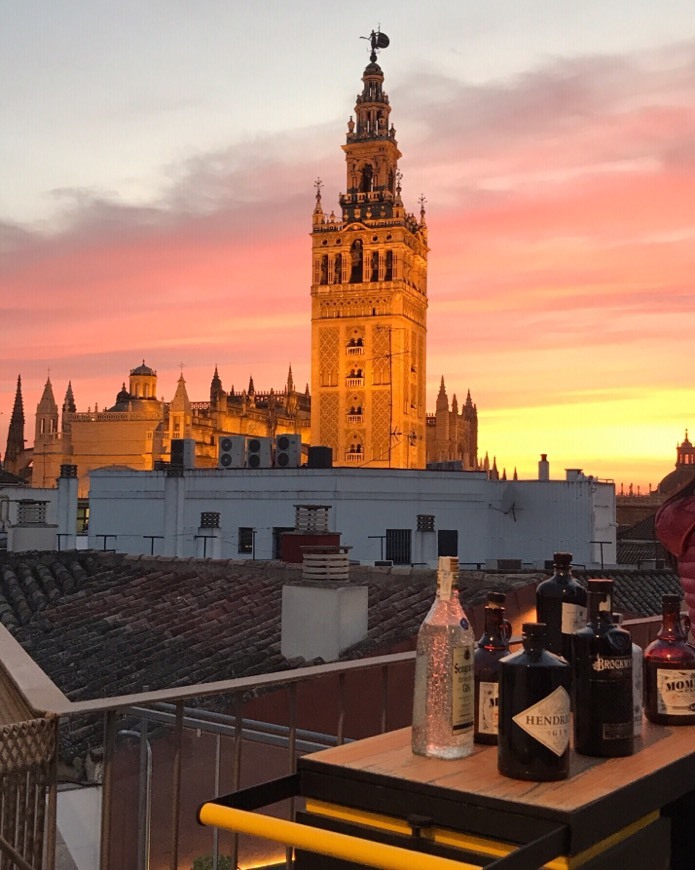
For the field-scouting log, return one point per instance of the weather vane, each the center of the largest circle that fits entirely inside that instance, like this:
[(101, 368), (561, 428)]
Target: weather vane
[(378, 40)]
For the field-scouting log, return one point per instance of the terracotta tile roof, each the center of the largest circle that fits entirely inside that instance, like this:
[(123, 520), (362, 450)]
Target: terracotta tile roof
[(637, 592)]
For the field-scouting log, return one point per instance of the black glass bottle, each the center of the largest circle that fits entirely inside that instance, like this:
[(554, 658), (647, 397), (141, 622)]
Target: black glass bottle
[(534, 720), (492, 646), (669, 669), (602, 663), (561, 605)]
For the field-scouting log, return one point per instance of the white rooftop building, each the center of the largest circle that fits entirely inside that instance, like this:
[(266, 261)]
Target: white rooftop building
[(405, 517)]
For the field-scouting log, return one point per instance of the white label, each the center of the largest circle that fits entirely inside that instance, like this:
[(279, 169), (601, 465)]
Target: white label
[(488, 708), (548, 721), (637, 689), (675, 692), (462, 687), (573, 617)]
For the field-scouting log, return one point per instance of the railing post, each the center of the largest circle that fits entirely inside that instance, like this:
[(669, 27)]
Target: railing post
[(107, 790), (176, 786), (292, 750), (236, 764)]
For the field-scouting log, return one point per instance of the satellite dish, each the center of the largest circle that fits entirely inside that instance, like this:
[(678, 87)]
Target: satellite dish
[(510, 502)]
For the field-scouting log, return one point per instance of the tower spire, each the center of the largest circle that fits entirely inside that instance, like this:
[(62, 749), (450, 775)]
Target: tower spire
[(15, 433)]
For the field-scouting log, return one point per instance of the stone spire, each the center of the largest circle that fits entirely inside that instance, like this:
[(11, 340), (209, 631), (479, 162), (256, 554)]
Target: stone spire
[(215, 388), (69, 405), (46, 413), (15, 433)]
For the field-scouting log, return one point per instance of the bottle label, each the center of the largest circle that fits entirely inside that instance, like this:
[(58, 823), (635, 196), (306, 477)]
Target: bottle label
[(675, 692), (617, 730), (548, 721), (488, 708), (462, 687), (574, 617), (637, 689), (613, 666)]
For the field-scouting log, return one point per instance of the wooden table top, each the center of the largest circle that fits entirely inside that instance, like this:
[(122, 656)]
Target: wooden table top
[(665, 757)]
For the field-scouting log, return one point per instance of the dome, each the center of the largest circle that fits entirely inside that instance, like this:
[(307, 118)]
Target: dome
[(676, 480), (373, 69), (122, 400), (143, 370)]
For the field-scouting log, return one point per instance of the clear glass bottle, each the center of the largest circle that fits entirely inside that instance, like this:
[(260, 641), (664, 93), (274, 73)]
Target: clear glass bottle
[(561, 603), (637, 681), (669, 669), (534, 721), (443, 696), (602, 663), (492, 646)]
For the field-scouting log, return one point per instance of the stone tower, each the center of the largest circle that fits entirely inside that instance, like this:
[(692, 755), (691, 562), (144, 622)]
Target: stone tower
[(369, 300)]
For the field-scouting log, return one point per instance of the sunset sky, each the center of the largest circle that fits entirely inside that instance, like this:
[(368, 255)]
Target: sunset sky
[(158, 160)]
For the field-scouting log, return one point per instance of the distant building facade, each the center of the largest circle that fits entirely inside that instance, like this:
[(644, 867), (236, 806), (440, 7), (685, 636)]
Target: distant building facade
[(137, 430)]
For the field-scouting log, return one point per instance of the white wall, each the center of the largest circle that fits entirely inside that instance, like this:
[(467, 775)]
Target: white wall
[(526, 520)]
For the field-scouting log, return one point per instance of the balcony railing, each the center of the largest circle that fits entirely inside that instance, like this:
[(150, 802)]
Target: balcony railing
[(355, 350), (161, 756), (354, 382), (355, 418)]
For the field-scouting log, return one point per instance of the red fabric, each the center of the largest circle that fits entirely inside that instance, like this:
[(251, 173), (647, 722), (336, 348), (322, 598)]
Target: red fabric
[(675, 528)]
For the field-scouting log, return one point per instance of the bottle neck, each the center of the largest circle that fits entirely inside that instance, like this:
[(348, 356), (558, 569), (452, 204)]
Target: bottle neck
[(447, 586), (601, 607), (534, 646), (497, 629), (671, 625)]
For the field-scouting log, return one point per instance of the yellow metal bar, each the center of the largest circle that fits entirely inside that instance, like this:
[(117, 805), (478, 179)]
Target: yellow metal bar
[(348, 848)]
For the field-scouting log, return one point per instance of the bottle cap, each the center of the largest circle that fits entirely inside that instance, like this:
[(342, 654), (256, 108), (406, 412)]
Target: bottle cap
[(562, 560), (496, 598), (534, 629), (672, 600)]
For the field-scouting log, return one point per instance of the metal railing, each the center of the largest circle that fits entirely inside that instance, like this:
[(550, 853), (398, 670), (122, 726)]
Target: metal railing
[(166, 719)]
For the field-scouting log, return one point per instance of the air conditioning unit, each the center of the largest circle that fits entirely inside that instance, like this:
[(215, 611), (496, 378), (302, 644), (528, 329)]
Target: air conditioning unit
[(183, 453), (288, 451), (232, 453), (259, 453)]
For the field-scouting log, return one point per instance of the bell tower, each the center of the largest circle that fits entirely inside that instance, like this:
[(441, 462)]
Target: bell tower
[(369, 299)]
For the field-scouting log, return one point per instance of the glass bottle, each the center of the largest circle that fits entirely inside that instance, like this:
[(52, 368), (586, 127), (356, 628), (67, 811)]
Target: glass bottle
[(637, 681), (443, 697), (669, 669), (492, 646), (534, 720), (602, 662), (561, 605)]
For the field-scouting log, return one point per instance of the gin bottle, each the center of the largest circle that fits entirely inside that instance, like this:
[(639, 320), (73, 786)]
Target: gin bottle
[(443, 697), (669, 669), (492, 646), (602, 661), (561, 605), (534, 722)]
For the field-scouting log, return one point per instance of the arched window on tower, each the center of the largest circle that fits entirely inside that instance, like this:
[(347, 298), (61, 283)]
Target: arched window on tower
[(338, 273), (324, 270), (374, 272), (388, 266), (367, 183), (356, 262)]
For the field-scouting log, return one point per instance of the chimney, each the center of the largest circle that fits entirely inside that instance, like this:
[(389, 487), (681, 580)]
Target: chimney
[(544, 467), (324, 613)]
